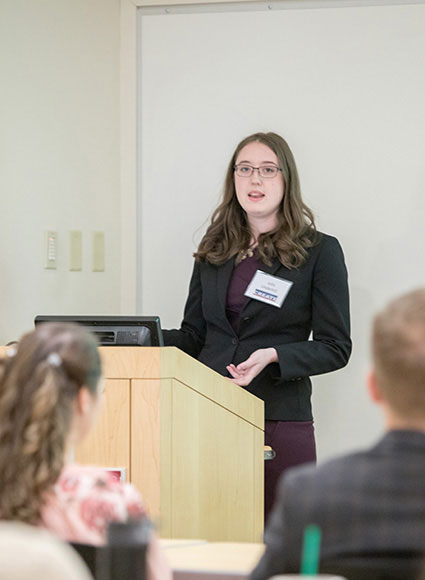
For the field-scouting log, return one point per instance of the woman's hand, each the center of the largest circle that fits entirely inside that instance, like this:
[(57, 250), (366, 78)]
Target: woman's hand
[(252, 366)]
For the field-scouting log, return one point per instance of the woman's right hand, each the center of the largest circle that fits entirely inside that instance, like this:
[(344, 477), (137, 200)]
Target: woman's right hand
[(247, 370)]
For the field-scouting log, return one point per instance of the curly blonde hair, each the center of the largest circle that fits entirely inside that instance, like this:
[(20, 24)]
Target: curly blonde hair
[(229, 233), (38, 385)]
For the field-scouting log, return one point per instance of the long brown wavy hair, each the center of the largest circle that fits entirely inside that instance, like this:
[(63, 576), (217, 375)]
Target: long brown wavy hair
[(229, 233), (38, 384)]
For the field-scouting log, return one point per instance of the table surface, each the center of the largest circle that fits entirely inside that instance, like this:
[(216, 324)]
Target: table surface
[(211, 556)]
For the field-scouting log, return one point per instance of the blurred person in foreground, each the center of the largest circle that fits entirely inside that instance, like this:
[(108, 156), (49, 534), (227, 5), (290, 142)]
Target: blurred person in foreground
[(27, 553), (51, 389), (373, 500)]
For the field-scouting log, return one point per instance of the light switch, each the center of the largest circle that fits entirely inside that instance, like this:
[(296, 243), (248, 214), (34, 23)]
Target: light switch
[(98, 251), (75, 251), (50, 249)]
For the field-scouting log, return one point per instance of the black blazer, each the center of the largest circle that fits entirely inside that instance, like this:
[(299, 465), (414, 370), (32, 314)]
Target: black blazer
[(317, 303)]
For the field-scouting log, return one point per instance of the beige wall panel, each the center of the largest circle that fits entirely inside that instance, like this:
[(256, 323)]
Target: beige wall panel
[(185, 514), (170, 362), (145, 441), (104, 445), (166, 403), (213, 493), (213, 559), (175, 363), (258, 443), (151, 447), (127, 361)]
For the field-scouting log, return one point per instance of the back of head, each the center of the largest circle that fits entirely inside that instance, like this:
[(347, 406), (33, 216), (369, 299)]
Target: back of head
[(28, 552), (398, 345), (38, 385)]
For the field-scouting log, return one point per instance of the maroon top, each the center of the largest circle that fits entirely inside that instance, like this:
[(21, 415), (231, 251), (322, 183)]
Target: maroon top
[(241, 276)]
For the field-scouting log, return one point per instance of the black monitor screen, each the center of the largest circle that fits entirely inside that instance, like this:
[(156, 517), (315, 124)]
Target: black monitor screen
[(116, 330)]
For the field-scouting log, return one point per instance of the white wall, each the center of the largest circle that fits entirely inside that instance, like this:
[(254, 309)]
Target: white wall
[(346, 87), (353, 114), (59, 120)]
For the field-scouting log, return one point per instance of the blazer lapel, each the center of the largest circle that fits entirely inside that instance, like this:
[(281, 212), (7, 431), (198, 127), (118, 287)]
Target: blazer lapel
[(224, 273), (276, 264)]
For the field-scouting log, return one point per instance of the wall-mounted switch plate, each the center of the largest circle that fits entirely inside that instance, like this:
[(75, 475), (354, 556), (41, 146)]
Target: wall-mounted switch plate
[(75, 251), (98, 251), (50, 249)]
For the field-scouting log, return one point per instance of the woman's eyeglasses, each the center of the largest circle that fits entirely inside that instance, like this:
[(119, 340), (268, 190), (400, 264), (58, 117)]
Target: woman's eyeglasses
[(266, 171)]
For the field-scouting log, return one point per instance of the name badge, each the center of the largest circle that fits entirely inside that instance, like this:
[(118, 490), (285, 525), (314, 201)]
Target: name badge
[(267, 288)]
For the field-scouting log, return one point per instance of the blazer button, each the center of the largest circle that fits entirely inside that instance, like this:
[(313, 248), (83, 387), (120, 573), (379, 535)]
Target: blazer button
[(234, 341)]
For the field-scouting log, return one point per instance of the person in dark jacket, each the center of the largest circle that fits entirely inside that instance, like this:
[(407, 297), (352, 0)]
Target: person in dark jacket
[(268, 302), (372, 501)]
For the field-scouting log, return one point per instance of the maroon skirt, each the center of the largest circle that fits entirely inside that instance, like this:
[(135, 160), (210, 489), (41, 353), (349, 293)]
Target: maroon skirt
[(294, 444)]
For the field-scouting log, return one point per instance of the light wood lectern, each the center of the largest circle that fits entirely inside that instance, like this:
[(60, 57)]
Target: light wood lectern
[(191, 441)]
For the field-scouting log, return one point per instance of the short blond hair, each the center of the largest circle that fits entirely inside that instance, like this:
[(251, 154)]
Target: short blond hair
[(398, 349)]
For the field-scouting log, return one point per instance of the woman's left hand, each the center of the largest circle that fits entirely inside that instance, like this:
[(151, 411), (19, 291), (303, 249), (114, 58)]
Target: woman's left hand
[(247, 370)]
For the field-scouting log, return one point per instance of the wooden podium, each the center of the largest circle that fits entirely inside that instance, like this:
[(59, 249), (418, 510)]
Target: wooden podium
[(191, 441)]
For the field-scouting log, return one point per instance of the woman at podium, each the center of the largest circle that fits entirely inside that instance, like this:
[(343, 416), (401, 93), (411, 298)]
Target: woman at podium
[(268, 302)]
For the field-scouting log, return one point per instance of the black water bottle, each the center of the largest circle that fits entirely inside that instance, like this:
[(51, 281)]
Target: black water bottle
[(124, 556)]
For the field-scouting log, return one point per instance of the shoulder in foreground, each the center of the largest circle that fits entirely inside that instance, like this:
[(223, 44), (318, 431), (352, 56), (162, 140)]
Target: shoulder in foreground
[(311, 473)]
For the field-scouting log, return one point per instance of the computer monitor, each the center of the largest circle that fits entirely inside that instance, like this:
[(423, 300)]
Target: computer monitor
[(115, 330)]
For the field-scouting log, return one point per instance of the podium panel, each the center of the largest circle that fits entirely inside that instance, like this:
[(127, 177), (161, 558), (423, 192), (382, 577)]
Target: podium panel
[(190, 440), (213, 457), (106, 446)]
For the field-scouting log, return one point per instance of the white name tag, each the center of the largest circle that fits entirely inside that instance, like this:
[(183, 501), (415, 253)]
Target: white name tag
[(267, 288)]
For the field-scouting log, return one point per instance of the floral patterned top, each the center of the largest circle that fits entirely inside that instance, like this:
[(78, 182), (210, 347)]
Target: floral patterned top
[(83, 502)]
